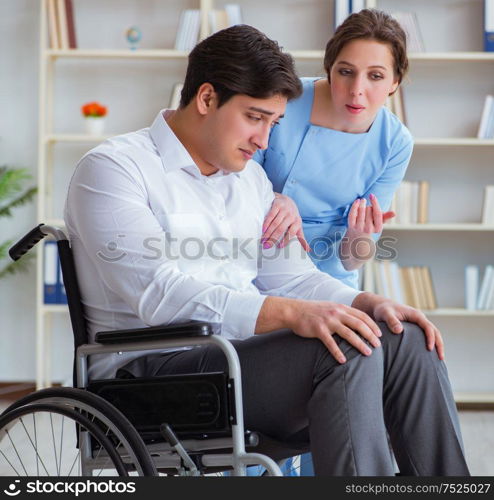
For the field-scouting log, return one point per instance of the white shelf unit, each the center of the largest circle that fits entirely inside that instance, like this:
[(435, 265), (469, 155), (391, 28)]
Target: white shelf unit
[(439, 141), (49, 139), (444, 95)]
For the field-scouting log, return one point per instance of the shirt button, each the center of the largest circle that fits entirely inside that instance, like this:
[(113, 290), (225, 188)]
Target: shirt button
[(293, 181)]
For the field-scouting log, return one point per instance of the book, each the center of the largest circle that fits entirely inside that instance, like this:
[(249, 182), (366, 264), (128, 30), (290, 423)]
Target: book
[(356, 5), (411, 203), (398, 105), (175, 96), (409, 22), (489, 25), (233, 13), (430, 297), (69, 10), (484, 287), (423, 203), (489, 300), (218, 20), (378, 278), (184, 21), (368, 284), (341, 9), (471, 287), (390, 290), (397, 285), (419, 283), (486, 125), (52, 25), (62, 24), (407, 292), (50, 267), (414, 289), (488, 205)]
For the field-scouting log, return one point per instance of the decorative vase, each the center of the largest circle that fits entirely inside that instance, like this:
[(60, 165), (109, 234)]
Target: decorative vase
[(94, 125)]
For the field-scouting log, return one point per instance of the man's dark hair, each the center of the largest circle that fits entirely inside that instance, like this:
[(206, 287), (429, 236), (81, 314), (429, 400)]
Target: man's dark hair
[(240, 60)]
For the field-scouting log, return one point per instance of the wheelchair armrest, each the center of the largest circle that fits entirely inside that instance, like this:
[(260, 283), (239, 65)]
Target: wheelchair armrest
[(179, 330)]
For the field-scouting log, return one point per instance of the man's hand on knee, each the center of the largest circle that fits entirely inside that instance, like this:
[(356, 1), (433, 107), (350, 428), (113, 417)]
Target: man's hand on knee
[(322, 320), (393, 313)]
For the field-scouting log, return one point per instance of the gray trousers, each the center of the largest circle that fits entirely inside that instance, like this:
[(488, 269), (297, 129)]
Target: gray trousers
[(294, 391)]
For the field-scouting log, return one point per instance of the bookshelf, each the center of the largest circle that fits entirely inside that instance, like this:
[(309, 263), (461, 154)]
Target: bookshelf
[(451, 79), (444, 94), (95, 53)]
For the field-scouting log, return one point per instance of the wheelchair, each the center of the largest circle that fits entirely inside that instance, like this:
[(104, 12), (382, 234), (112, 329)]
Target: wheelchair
[(185, 425)]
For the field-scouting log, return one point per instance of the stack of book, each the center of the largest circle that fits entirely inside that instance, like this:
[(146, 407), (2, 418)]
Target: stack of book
[(486, 126), (410, 25), (411, 203), (479, 296), (61, 25), (189, 27), (488, 206), (230, 15), (407, 285), (54, 290)]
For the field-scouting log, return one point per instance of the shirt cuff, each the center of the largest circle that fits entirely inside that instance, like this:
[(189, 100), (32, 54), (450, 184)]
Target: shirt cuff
[(345, 296), (241, 314)]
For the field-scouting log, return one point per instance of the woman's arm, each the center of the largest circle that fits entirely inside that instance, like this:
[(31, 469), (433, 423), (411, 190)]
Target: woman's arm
[(365, 221)]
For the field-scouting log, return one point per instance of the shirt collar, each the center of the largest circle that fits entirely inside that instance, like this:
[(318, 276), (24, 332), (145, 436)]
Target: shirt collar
[(172, 152)]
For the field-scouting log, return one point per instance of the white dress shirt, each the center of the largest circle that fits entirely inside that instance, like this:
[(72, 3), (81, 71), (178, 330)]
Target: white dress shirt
[(156, 242)]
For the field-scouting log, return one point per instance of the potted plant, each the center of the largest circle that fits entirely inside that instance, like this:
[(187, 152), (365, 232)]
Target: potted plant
[(94, 114), (13, 194)]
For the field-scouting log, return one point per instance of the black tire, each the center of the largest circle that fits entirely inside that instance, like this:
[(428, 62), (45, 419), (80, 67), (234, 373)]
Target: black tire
[(107, 416), (7, 422)]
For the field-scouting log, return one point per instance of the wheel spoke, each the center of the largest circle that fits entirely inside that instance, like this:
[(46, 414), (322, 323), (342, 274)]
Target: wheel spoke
[(36, 443), (10, 463), (54, 444), (16, 452), (78, 455), (35, 448), (61, 445)]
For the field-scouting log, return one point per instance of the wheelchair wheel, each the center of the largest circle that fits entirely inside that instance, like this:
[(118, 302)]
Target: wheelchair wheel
[(67, 431)]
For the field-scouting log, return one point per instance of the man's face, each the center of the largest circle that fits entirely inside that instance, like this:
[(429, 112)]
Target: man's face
[(232, 133)]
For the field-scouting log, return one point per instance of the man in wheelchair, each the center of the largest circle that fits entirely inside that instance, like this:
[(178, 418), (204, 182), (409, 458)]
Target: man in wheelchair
[(165, 225)]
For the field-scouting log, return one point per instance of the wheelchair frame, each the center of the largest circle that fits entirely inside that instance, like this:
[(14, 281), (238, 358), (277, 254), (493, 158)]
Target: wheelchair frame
[(172, 454)]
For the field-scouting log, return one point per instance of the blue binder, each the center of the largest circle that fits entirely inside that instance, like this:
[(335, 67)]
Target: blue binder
[(50, 271), (489, 25)]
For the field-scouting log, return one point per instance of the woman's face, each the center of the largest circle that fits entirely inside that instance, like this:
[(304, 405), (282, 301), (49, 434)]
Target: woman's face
[(362, 77)]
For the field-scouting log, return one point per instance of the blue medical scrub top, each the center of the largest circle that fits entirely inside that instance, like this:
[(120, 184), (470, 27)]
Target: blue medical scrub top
[(324, 171)]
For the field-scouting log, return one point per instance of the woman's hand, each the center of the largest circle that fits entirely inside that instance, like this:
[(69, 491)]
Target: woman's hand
[(283, 222), (363, 221), (366, 220)]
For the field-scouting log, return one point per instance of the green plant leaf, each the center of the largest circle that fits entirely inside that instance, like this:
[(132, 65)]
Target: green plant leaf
[(11, 181), (27, 196), (4, 248), (21, 265)]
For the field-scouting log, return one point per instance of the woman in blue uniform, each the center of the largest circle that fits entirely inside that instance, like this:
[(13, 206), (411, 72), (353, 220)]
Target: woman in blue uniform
[(339, 153)]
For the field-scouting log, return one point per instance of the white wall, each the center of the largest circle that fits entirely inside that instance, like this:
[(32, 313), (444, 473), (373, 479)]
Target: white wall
[(18, 146)]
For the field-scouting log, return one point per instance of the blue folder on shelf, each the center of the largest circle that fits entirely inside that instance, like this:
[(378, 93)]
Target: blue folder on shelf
[(50, 271), (489, 25)]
